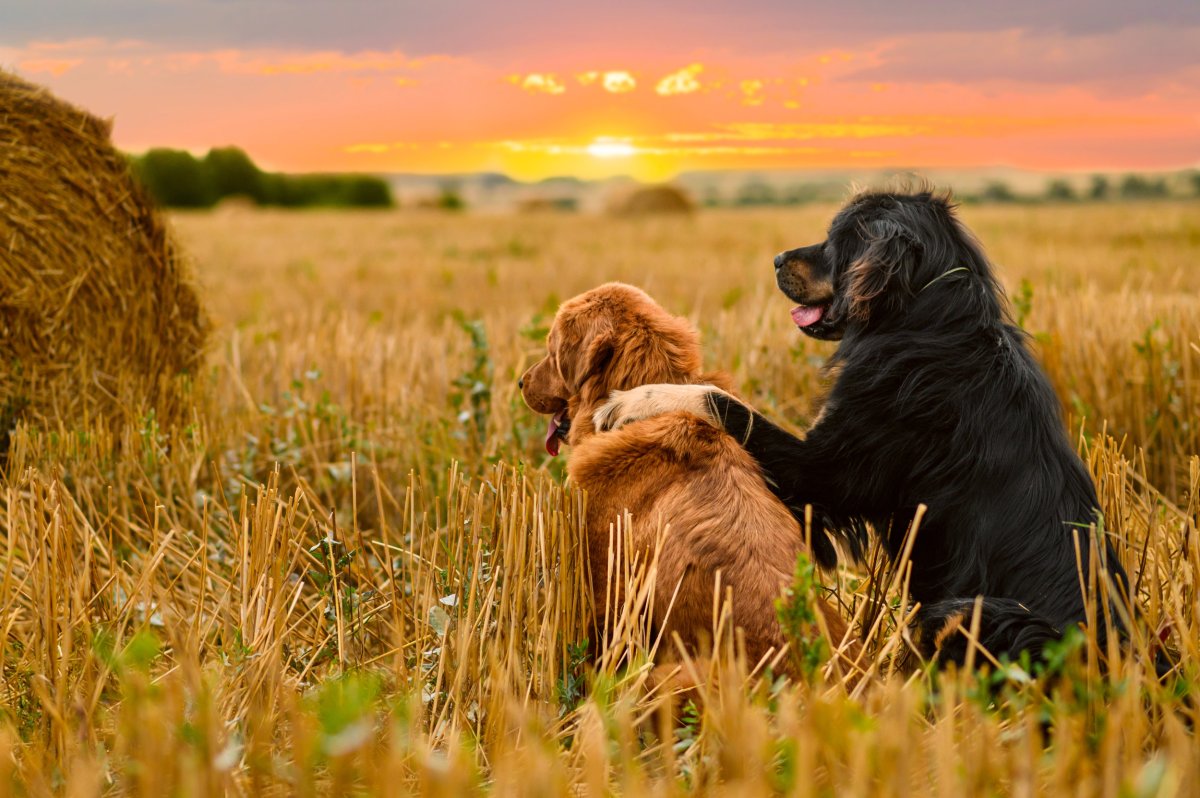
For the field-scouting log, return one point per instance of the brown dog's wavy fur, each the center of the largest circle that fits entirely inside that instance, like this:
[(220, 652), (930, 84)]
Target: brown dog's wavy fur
[(675, 469)]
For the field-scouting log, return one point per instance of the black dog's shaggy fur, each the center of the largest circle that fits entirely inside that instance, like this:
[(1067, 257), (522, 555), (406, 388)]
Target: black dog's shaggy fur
[(937, 402)]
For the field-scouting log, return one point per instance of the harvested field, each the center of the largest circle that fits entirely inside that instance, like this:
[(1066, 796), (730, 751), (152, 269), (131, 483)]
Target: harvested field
[(356, 570)]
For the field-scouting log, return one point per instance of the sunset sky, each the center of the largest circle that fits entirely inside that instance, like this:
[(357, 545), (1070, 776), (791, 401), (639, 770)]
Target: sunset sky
[(629, 87)]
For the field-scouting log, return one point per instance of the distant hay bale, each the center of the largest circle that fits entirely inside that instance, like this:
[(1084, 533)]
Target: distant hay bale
[(99, 319), (645, 200), (236, 205), (548, 205)]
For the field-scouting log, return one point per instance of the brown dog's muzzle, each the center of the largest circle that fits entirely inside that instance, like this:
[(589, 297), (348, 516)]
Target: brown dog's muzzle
[(543, 389)]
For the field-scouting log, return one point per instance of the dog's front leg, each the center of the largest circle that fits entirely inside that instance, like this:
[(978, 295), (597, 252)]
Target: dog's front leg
[(646, 401), (796, 470), (799, 471)]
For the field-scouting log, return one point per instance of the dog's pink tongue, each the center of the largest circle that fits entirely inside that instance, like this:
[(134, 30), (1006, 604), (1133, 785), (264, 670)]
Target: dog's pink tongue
[(807, 315), (552, 439)]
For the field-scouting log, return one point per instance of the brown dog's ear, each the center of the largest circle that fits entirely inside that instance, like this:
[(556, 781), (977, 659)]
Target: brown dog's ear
[(884, 269), (591, 355)]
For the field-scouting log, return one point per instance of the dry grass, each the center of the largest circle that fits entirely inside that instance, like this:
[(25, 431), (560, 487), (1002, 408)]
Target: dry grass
[(354, 572)]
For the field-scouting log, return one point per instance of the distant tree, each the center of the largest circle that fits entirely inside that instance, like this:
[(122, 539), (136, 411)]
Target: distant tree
[(365, 191), (327, 191), (1099, 189), (800, 193), (178, 180), (1060, 191), (275, 188), (1194, 178), (756, 193), (450, 199), (320, 189), (287, 191), (175, 178), (1139, 187), (997, 191), (232, 173)]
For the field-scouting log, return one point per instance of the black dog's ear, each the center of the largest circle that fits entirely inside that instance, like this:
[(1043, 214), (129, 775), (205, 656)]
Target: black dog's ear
[(886, 266)]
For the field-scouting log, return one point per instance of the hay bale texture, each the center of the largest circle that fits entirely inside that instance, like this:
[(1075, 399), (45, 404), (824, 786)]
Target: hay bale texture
[(100, 323), (649, 200)]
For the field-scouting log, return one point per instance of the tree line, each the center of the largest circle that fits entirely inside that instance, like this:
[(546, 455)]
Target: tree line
[(178, 179), (1103, 187), (1096, 188)]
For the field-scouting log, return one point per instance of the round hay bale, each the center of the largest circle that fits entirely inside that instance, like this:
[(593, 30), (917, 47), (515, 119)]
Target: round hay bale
[(646, 200), (100, 323), (235, 205), (538, 204)]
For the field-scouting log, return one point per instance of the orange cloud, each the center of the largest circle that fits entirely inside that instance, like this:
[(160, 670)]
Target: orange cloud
[(539, 83), (619, 82), (751, 92), (308, 63), (859, 129), (379, 148), (241, 62), (336, 62), (683, 81), (50, 66), (374, 149)]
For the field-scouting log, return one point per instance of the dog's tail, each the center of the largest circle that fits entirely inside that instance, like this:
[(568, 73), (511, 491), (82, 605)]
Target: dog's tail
[(1006, 628)]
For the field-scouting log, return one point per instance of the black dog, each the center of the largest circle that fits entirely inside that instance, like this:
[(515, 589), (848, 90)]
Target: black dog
[(937, 401)]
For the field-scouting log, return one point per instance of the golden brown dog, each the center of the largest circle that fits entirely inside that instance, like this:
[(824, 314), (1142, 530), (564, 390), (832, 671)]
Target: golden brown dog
[(674, 469)]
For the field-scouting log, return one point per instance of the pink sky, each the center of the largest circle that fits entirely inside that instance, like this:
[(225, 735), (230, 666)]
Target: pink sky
[(625, 91)]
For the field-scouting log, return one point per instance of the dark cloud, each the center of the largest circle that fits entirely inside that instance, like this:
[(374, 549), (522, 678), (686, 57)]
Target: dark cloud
[(499, 26)]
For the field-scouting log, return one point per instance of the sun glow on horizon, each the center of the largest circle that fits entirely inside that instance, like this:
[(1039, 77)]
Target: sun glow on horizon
[(595, 114), (611, 148)]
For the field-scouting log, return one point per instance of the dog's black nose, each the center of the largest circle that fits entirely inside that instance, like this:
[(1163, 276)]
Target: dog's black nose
[(520, 383), (779, 259)]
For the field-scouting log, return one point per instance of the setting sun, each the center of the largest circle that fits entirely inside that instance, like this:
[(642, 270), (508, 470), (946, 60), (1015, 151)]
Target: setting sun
[(607, 148)]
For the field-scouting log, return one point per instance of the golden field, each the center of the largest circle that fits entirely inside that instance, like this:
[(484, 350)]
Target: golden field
[(355, 571)]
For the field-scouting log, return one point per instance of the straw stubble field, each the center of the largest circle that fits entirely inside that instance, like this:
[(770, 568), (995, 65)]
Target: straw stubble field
[(355, 570)]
